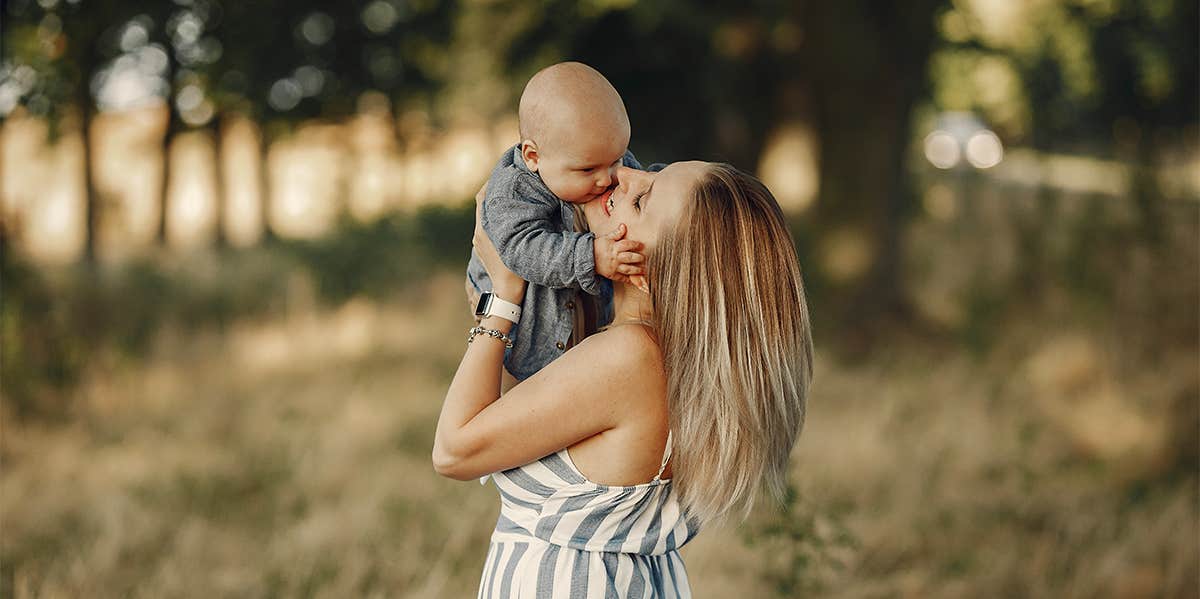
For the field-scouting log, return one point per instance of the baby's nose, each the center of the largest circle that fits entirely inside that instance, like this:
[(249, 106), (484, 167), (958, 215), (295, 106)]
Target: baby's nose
[(604, 178)]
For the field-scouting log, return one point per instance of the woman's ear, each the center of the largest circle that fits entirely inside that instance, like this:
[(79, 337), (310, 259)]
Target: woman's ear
[(640, 282), (529, 153)]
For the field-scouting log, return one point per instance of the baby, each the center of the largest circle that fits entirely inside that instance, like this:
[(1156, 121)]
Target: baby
[(574, 134)]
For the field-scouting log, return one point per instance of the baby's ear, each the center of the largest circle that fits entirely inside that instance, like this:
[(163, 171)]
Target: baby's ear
[(640, 282), (529, 153)]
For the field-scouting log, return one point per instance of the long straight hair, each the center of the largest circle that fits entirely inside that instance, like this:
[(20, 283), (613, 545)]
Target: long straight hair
[(732, 321)]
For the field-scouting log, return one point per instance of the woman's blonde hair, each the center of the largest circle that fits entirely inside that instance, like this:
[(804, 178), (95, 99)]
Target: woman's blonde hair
[(732, 322)]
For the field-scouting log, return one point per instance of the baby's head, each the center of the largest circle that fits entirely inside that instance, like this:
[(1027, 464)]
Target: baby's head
[(574, 130)]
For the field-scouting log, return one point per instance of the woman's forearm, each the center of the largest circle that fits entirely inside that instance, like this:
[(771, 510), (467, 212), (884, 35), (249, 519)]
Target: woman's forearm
[(475, 386)]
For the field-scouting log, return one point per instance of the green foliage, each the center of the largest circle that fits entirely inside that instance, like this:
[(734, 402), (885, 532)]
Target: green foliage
[(42, 354), (801, 544), (1065, 74), (378, 257), (56, 326)]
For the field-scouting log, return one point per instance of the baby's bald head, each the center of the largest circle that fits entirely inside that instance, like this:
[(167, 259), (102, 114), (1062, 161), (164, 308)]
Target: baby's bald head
[(569, 99), (574, 131)]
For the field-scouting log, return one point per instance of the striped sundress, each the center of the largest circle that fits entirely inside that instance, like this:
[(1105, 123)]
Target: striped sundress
[(561, 535)]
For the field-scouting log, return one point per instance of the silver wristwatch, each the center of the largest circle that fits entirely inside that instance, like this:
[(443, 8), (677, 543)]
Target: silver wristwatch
[(490, 305)]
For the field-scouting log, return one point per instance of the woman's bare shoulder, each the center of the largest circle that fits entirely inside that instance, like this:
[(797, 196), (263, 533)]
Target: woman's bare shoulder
[(632, 349), (622, 366), (620, 357)]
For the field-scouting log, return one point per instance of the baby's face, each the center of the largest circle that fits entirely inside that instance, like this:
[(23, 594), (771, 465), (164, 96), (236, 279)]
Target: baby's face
[(579, 166)]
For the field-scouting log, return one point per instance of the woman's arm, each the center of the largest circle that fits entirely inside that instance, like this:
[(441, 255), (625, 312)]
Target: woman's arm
[(477, 383), (479, 433), (574, 397)]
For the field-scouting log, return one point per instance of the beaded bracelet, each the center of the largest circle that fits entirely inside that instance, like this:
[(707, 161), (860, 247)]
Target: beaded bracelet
[(490, 333)]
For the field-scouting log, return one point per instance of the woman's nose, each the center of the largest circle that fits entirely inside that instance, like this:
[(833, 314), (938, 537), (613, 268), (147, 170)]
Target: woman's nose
[(624, 175)]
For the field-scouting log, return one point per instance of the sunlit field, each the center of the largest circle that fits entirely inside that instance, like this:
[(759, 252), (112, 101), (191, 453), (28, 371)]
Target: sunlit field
[(288, 455)]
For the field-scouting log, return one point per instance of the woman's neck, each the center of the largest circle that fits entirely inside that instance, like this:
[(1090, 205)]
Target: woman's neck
[(630, 304)]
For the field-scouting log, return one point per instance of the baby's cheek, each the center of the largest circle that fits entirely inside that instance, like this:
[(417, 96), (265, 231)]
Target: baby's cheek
[(576, 189), (558, 185)]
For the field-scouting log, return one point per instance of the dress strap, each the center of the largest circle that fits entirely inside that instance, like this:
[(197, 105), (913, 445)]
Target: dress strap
[(666, 457)]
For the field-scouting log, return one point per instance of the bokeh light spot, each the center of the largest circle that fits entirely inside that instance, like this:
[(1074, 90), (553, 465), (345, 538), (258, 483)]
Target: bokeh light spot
[(285, 94), (317, 28), (380, 16), (134, 36), (941, 149), (189, 97), (311, 80), (984, 150)]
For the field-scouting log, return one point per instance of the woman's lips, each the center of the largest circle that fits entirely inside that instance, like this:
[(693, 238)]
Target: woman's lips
[(604, 202)]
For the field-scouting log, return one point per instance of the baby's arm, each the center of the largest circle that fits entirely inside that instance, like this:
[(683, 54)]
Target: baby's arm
[(523, 229)]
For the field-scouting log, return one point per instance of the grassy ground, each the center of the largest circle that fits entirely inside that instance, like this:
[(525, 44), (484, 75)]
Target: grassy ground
[(289, 457)]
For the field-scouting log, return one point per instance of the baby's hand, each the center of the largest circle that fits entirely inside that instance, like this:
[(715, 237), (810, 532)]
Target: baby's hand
[(617, 258)]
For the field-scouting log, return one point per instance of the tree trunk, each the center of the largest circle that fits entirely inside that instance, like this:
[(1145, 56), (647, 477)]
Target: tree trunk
[(882, 288), (264, 148), (168, 136), (216, 128), (92, 201), (867, 68), (1147, 194)]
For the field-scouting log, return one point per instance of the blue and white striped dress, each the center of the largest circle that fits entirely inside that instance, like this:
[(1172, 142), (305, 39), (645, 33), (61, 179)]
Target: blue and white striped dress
[(561, 535)]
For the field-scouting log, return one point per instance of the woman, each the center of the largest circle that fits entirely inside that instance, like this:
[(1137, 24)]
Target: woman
[(610, 458)]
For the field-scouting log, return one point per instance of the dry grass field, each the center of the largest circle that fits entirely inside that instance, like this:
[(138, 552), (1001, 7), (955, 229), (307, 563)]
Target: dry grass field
[(290, 458)]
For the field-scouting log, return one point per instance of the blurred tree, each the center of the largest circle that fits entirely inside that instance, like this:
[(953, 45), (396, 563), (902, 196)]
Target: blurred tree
[(275, 62), (283, 63), (1118, 78), (1164, 61), (168, 15), (865, 63), (700, 79), (58, 46)]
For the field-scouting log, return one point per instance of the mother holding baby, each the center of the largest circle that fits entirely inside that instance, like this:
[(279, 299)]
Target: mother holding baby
[(615, 453)]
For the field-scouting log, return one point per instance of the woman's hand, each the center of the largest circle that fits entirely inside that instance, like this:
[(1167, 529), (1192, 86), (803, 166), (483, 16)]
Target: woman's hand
[(505, 283)]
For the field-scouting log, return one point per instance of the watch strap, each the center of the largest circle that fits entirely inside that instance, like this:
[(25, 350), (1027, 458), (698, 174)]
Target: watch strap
[(504, 309)]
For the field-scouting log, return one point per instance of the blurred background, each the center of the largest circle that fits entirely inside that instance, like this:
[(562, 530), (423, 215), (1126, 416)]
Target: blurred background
[(233, 239)]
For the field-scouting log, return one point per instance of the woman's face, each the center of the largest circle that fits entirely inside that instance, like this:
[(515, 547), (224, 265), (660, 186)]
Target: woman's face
[(645, 202)]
